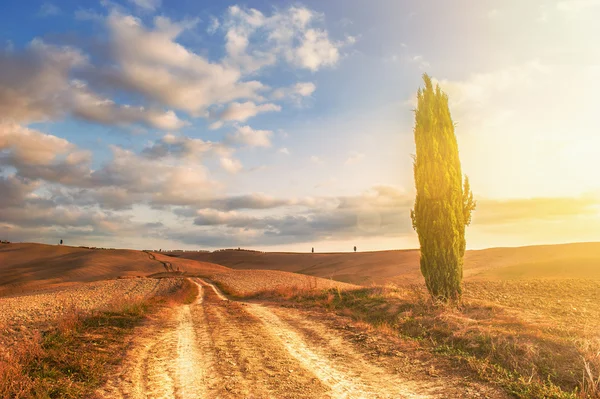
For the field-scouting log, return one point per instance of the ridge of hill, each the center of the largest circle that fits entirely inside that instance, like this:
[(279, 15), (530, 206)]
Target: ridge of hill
[(576, 260), (29, 266)]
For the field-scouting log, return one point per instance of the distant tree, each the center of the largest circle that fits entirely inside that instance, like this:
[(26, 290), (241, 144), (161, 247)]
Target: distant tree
[(443, 203), (313, 250), (61, 242), (355, 248)]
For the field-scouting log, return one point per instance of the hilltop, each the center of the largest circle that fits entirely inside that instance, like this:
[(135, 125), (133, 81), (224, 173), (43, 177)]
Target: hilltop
[(578, 260)]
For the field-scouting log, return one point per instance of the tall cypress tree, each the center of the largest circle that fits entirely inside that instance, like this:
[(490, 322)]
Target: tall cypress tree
[(443, 205)]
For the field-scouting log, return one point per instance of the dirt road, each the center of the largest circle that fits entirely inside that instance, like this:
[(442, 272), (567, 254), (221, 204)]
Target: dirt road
[(217, 348)]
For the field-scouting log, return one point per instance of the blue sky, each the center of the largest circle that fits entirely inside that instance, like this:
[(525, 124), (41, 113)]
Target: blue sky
[(286, 125)]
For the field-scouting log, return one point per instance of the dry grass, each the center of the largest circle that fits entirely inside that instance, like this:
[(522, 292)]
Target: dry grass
[(579, 260), (248, 283), (512, 334), (70, 360)]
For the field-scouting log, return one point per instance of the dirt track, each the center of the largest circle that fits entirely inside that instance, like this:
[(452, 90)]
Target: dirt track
[(216, 348)]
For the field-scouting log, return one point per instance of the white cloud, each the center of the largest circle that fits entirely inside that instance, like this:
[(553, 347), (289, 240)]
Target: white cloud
[(296, 92), (216, 125), (231, 165), (291, 35), (250, 137), (185, 147), (315, 51), (243, 111), (354, 158), (29, 146), (148, 5), (379, 211), (317, 160), (152, 63), (83, 14), (34, 84), (49, 10), (36, 155), (213, 26), (89, 106), (169, 180), (148, 63), (284, 150)]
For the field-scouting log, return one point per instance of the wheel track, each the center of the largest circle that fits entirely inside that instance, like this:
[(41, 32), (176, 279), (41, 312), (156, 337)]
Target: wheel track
[(216, 348), (165, 361), (167, 265), (345, 379)]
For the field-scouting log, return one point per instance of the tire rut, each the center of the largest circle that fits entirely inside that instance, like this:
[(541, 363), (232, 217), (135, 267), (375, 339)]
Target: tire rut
[(348, 377), (165, 361), (217, 348), (355, 379)]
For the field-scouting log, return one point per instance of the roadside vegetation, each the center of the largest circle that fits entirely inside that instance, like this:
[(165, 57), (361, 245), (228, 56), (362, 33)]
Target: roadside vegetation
[(536, 339), (70, 360)]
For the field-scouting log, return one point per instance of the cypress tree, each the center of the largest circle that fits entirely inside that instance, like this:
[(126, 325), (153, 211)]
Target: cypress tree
[(443, 205)]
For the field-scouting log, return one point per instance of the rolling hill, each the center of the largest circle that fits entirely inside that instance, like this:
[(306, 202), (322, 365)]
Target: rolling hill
[(578, 260), (28, 266)]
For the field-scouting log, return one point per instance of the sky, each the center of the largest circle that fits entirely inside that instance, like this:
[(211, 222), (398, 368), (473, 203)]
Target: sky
[(289, 125)]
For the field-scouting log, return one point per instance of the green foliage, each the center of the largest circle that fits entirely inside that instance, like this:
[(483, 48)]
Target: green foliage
[(443, 205)]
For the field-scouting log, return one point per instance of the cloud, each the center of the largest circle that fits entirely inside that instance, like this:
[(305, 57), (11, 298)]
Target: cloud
[(292, 35), (91, 107), (112, 198), (213, 26), (354, 158), (284, 150), (146, 62), (250, 201), (27, 146), (34, 83), (296, 92), (151, 63), (148, 5), (15, 190), (231, 165), (241, 112), (141, 73), (316, 51), (36, 155), (247, 136), (169, 172), (510, 211), (184, 147), (381, 211), (89, 14), (315, 159), (48, 10)]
